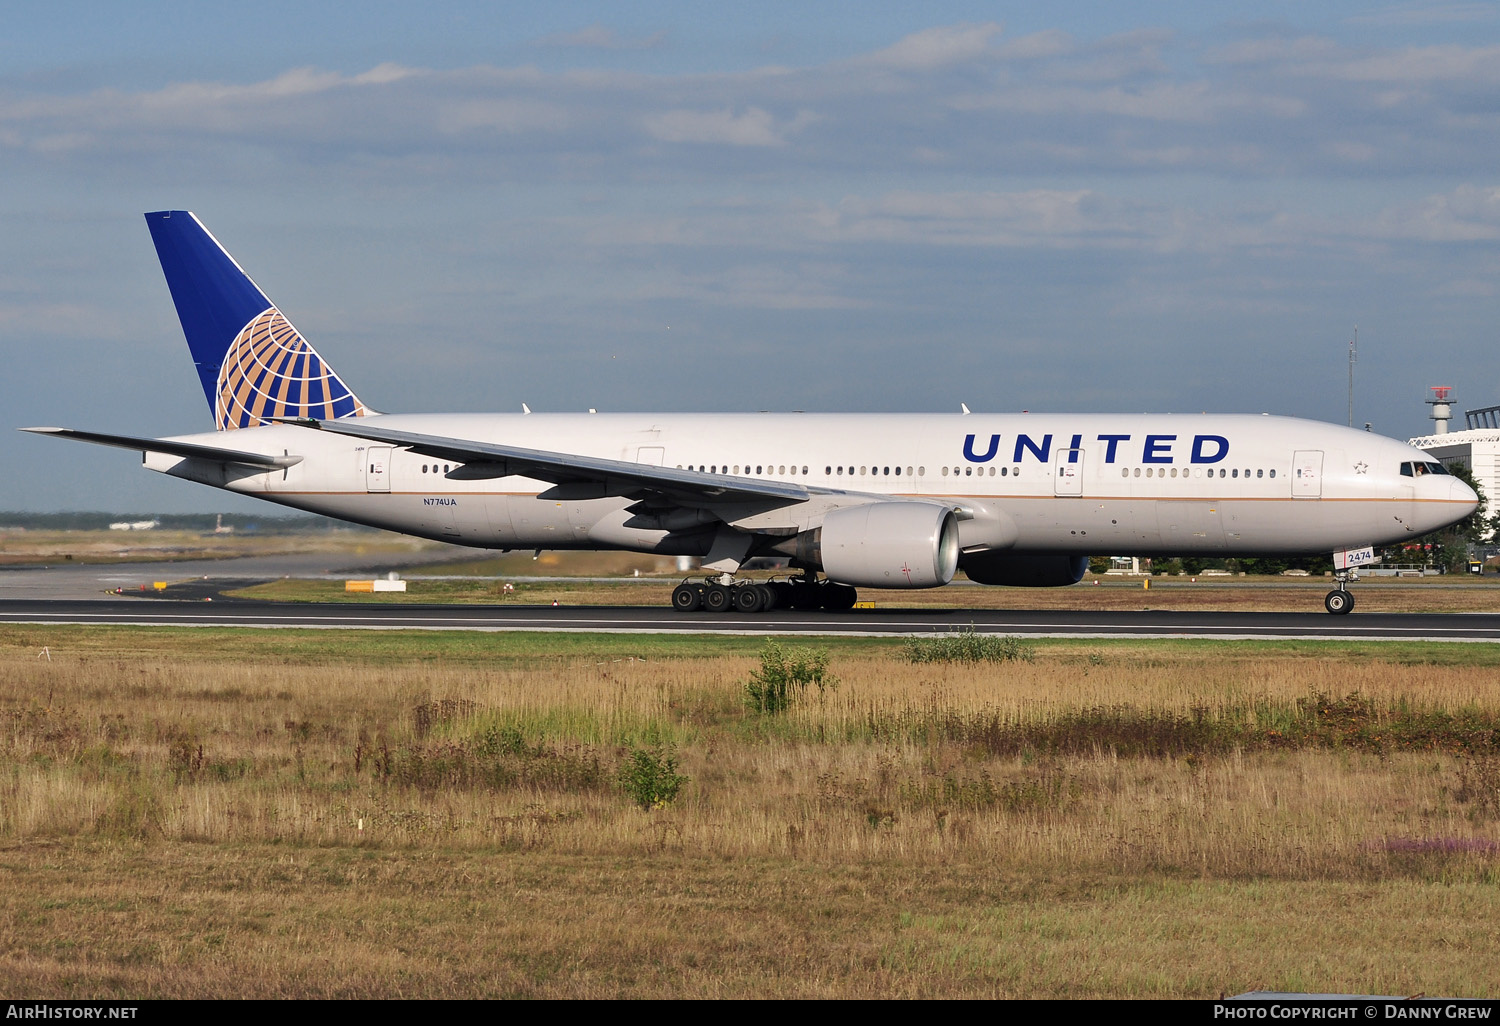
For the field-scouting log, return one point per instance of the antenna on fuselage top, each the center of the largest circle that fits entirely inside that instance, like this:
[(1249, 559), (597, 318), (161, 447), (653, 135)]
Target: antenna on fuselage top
[(965, 408)]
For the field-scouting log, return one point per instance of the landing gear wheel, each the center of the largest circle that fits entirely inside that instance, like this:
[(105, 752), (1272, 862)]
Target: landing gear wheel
[(687, 598), (748, 599), (805, 596), (769, 598), (717, 598), (839, 596), (1338, 601)]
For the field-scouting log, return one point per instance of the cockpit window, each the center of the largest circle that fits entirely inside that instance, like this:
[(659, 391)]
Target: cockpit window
[(1420, 468)]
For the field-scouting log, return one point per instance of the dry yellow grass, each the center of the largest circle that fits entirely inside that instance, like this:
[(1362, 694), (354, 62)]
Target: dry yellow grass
[(22, 548), (154, 919), (384, 814)]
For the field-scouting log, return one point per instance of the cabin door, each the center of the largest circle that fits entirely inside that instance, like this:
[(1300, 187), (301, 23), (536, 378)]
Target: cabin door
[(378, 468), (1067, 472), (1307, 474)]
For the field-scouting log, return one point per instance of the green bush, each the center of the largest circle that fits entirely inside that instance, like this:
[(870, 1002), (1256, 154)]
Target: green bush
[(649, 776), (783, 676), (968, 646)]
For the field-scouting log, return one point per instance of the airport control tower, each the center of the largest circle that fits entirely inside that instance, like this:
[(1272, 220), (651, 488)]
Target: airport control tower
[(1442, 410)]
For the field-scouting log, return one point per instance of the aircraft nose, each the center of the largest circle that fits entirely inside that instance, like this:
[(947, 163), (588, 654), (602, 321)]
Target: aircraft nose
[(1460, 492)]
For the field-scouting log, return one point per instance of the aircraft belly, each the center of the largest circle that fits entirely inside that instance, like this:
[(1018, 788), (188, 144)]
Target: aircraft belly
[(1071, 525), (540, 522), (1204, 526), (1188, 526), (437, 517), (1301, 526), (497, 508)]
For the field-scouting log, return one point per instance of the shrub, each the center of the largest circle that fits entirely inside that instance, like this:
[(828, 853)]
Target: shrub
[(966, 645), (1479, 780), (649, 776), (783, 676)]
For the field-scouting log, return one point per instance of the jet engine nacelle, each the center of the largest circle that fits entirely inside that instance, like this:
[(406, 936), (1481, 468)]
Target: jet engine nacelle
[(890, 545), (1025, 569)]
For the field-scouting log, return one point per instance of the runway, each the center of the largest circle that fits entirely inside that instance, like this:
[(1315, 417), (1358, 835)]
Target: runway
[(77, 595), (129, 610)]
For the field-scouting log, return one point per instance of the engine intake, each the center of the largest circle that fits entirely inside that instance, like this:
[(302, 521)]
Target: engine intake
[(890, 545)]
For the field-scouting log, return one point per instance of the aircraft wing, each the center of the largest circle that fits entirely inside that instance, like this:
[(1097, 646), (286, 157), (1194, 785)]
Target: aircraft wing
[(579, 477), (188, 450)]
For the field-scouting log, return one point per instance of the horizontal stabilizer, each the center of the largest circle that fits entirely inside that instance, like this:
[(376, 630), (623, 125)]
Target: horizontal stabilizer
[(187, 450)]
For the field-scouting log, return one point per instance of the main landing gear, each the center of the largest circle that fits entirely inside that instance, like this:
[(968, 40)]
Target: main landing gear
[(1341, 600), (724, 594)]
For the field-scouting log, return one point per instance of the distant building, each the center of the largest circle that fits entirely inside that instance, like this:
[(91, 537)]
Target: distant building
[(133, 525)]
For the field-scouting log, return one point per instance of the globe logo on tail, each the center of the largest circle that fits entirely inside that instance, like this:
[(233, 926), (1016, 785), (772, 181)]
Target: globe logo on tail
[(270, 371)]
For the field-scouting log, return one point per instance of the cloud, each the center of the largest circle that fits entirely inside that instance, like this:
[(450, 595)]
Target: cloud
[(934, 48), (754, 127), (1468, 213), (600, 37), (1036, 46), (1408, 15), (1164, 101), (1271, 50), (955, 97), (1427, 64), (1038, 217), (760, 286)]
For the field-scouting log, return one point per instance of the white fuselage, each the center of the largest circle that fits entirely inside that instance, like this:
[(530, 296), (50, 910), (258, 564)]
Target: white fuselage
[(1085, 483)]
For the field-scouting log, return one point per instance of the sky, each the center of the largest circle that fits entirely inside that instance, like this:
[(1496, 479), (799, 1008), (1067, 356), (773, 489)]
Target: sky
[(1163, 207)]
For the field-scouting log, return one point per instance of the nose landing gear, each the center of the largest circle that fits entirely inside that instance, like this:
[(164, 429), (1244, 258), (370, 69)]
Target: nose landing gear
[(1341, 600)]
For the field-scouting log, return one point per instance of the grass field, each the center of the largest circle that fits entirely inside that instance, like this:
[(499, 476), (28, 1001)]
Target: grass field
[(45, 547), (300, 813)]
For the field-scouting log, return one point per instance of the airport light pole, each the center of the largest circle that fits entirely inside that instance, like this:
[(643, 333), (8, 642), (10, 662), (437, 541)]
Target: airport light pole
[(1353, 344)]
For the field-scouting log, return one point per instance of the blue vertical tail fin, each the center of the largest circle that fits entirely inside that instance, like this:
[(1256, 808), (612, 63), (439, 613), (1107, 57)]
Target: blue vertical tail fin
[(253, 364)]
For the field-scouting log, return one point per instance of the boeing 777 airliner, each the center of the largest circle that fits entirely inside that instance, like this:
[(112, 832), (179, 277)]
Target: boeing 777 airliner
[(875, 500)]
